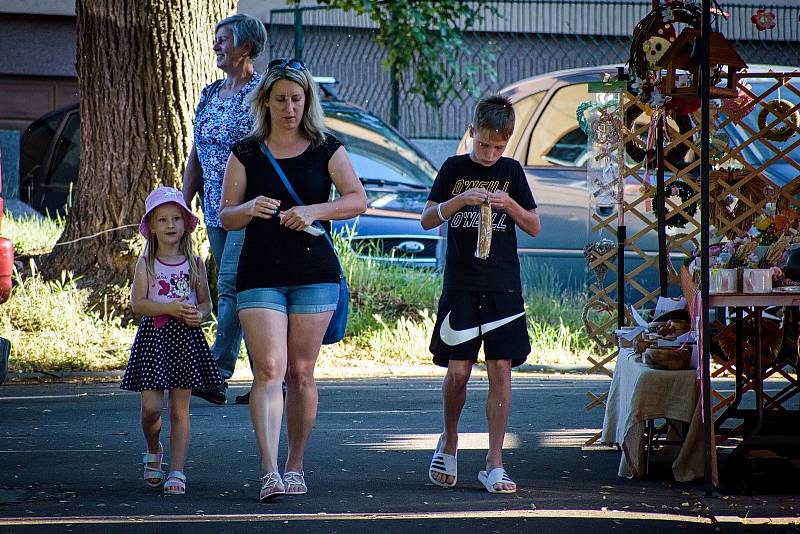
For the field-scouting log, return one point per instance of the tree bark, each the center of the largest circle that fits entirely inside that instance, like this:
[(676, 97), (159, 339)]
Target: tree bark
[(141, 66)]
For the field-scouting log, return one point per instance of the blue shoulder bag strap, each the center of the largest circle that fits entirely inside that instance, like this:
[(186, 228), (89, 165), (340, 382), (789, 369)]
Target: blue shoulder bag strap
[(292, 192), (213, 88)]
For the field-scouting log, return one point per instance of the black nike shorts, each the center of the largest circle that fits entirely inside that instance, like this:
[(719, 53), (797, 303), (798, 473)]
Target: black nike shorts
[(467, 318)]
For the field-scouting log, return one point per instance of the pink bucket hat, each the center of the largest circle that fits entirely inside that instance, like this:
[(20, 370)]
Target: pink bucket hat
[(163, 195)]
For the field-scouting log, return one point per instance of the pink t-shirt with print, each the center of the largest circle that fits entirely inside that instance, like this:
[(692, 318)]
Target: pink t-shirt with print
[(171, 283)]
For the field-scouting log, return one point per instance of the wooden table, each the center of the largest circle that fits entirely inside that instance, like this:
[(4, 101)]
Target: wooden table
[(753, 435)]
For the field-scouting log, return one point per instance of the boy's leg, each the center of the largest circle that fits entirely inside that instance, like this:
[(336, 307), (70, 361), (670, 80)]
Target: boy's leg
[(498, 406), (505, 346), (454, 395), (453, 346)]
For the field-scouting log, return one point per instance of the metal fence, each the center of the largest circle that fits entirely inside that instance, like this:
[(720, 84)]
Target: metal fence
[(525, 38)]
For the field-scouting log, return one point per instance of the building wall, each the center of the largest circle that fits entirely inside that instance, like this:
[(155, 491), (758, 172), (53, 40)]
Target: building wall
[(37, 75)]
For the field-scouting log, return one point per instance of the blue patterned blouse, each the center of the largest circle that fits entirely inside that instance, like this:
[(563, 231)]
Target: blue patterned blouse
[(219, 123)]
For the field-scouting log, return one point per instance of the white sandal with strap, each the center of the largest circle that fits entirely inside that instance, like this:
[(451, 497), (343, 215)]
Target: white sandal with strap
[(271, 486), (497, 475), (294, 478), (175, 484), (445, 464), (153, 476)]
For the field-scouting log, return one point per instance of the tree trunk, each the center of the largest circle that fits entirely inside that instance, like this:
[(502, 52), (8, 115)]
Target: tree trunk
[(141, 65)]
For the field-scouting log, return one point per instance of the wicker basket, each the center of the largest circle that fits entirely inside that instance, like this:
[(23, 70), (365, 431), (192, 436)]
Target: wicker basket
[(671, 359)]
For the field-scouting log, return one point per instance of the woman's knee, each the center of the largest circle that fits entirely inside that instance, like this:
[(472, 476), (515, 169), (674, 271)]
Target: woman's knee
[(300, 376), (268, 370)]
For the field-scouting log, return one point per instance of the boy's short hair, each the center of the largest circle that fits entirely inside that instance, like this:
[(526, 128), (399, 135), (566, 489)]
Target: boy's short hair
[(495, 114)]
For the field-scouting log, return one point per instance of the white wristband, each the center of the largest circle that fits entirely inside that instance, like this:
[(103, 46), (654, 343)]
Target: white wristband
[(439, 212)]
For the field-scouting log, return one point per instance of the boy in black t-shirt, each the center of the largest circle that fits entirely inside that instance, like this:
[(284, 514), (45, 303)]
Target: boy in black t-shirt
[(482, 298)]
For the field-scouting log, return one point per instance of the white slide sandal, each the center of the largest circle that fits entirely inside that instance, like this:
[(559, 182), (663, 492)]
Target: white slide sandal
[(446, 464), (497, 475)]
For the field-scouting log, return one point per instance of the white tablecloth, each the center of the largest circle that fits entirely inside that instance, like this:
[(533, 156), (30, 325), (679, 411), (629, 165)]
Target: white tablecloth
[(639, 393)]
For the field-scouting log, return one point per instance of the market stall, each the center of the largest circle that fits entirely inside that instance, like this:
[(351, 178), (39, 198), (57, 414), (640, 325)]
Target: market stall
[(712, 167)]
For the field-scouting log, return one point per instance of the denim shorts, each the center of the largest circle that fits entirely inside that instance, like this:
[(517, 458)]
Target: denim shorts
[(309, 298)]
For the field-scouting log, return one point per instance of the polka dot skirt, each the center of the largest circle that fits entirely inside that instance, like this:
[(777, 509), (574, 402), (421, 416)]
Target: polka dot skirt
[(174, 356)]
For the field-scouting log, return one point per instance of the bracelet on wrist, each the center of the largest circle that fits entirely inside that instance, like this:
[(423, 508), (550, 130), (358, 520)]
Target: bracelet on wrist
[(439, 212)]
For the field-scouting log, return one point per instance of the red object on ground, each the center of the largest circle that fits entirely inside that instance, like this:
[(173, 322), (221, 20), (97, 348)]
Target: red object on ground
[(6, 262), (6, 267)]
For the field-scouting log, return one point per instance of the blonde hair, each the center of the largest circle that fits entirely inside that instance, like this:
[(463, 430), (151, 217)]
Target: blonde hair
[(313, 123), (184, 246)]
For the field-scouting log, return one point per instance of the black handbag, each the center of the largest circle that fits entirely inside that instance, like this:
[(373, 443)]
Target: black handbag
[(338, 324)]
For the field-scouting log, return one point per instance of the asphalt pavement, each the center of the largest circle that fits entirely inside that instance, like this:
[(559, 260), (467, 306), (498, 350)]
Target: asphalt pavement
[(70, 452)]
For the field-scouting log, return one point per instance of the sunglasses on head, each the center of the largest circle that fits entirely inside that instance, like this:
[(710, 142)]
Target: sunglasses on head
[(282, 63)]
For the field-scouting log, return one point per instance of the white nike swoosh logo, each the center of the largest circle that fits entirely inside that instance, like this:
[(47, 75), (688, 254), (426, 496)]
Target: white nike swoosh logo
[(455, 337)]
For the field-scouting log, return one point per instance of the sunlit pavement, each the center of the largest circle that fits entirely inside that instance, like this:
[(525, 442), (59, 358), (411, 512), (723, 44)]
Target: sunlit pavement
[(69, 458)]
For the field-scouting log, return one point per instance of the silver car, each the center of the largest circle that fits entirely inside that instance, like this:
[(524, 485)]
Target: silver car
[(552, 149)]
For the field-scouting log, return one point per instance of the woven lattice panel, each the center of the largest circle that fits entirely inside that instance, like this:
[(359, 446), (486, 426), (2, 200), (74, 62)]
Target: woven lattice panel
[(737, 195)]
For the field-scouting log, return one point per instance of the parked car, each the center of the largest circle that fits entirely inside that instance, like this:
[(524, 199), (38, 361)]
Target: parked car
[(396, 176), (552, 149)]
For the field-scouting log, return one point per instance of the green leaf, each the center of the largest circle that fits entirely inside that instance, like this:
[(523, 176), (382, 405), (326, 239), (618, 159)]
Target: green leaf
[(425, 44)]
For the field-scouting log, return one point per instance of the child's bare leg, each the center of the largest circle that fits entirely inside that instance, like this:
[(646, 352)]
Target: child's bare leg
[(179, 427), (454, 395), (152, 402), (498, 406)]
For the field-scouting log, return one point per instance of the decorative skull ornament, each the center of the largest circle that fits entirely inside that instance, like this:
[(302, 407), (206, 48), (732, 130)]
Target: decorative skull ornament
[(654, 48)]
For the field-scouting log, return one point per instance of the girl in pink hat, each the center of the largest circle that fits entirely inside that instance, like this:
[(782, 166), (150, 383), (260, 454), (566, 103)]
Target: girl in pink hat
[(170, 353)]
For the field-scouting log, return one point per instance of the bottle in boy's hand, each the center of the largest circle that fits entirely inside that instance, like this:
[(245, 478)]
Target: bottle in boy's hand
[(484, 230)]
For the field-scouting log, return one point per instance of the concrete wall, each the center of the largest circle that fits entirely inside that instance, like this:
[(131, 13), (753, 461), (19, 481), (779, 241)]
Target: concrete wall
[(42, 45)]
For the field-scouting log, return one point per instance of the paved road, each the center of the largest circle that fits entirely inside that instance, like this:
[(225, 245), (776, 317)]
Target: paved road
[(69, 462)]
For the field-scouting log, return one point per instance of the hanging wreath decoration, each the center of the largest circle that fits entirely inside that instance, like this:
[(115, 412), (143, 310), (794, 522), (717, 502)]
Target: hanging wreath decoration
[(790, 123), (674, 155), (649, 26), (763, 19), (684, 191)]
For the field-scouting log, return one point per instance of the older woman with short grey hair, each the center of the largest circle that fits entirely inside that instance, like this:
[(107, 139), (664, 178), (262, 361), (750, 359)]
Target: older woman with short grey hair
[(221, 119)]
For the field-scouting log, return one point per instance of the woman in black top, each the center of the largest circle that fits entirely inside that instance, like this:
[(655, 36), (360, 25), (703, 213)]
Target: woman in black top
[(287, 281)]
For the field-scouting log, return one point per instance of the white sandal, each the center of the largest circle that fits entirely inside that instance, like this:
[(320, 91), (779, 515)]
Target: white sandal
[(294, 478), (271, 486), (175, 484), (153, 476), (445, 464), (497, 475)]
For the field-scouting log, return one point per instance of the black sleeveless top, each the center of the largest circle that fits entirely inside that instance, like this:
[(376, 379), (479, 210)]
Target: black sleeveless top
[(273, 255)]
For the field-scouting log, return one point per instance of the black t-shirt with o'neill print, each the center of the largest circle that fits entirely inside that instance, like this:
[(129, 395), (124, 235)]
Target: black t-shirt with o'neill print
[(500, 271)]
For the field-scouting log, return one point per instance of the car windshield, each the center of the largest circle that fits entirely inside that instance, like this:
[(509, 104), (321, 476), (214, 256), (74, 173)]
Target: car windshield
[(756, 153), (380, 156)]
